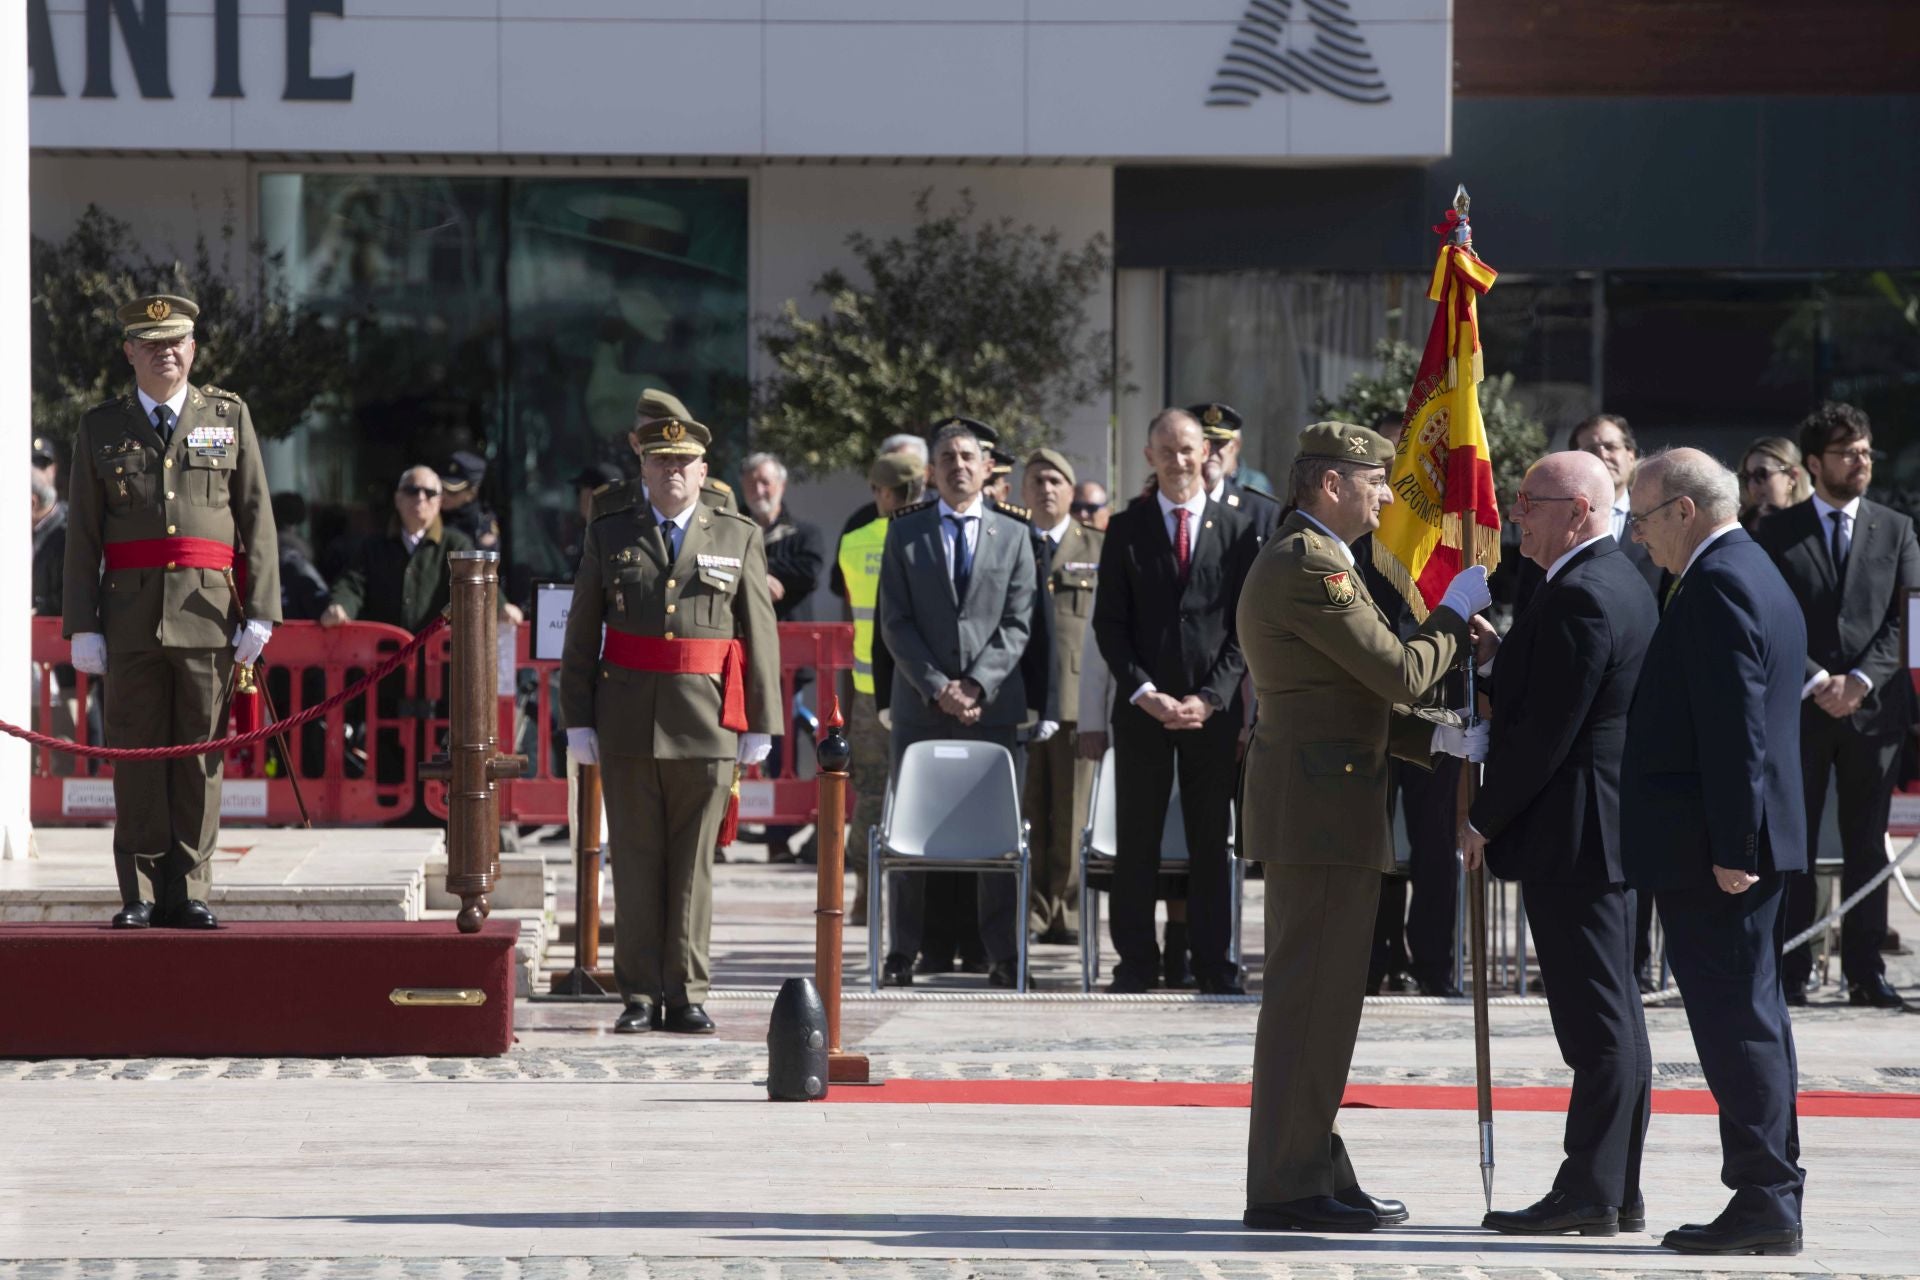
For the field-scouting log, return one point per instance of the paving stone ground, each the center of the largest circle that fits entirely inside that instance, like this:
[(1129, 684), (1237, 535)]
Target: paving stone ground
[(583, 1155)]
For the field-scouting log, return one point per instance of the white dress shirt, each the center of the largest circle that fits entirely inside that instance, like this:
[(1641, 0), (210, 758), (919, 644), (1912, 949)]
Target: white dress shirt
[(977, 509), (1621, 508), (1193, 506), (1058, 533), (1345, 550), (176, 402), (1561, 563), (1848, 514)]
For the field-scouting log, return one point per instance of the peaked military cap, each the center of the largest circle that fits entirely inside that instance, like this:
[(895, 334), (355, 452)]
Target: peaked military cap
[(1346, 443), (1002, 461), (1217, 421), (664, 426), (158, 316), (1044, 457), (980, 431)]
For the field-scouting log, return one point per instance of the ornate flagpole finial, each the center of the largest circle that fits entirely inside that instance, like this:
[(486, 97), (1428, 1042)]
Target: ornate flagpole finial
[(1462, 232)]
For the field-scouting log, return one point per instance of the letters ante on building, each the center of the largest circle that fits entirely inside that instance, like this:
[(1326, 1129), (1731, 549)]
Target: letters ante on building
[(143, 30)]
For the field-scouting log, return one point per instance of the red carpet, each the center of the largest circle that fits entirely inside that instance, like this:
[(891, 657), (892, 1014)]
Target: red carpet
[(1401, 1097), (253, 990)]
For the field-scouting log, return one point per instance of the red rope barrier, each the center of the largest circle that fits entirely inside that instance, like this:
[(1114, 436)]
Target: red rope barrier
[(312, 713)]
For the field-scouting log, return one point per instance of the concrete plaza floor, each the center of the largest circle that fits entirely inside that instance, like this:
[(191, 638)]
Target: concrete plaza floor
[(582, 1154)]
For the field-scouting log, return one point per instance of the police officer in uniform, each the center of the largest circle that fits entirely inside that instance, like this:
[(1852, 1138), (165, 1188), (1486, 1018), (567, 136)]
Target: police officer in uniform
[(1220, 424), (1336, 689), (685, 688), (168, 516)]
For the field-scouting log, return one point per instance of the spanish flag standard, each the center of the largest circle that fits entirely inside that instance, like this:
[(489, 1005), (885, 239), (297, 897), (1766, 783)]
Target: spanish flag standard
[(1444, 514)]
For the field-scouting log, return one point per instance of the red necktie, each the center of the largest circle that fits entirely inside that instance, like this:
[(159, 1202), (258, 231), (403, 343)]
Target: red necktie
[(1182, 541)]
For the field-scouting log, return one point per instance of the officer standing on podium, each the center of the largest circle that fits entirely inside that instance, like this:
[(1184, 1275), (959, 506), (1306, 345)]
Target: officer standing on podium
[(686, 686), (170, 496)]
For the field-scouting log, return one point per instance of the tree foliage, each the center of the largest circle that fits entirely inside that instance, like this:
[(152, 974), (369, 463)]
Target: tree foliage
[(1515, 436), (979, 317), (251, 338)]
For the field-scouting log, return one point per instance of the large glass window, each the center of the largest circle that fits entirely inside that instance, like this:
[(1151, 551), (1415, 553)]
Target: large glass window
[(517, 317)]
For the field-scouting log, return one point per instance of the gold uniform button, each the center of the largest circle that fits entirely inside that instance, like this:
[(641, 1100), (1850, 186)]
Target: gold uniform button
[(169, 464), (671, 584), (670, 608), (667, 636), (119, 471), (170, 564), (1349, 768), (172, 529), (169, 495)]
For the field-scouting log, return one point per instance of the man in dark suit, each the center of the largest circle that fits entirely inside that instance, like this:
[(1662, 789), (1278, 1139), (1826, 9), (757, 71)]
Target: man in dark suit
[(1712, 815), (1163, 615), (1851, 563), (957, 583), (1548, 815)]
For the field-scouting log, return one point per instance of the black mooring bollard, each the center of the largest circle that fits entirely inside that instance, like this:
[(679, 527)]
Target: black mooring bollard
[(797, 1043)]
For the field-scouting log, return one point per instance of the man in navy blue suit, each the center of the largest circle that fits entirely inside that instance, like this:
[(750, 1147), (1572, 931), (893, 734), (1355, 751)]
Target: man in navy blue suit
[(1711, 815), (1548, 815)]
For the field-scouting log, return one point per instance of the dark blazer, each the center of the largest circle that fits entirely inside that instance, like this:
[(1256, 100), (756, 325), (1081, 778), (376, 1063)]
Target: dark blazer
[(1561, 689), (1151, 626), (1263, 509), (1530, 575), (1712, 770), (1852, 624)]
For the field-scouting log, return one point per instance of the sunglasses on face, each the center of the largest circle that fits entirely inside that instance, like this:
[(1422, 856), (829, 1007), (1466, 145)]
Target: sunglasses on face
[(1086, 508), (419, 491), (1759, 475)]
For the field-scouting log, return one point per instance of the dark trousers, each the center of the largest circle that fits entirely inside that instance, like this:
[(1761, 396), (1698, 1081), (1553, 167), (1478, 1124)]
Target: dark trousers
[(1725, 953), (1430, 803), (1863, 771), (1584, 935), (1146, 759), (999, 910)]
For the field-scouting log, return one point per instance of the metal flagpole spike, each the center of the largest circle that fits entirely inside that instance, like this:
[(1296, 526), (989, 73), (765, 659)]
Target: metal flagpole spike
[(1486, 1161), (1461, 200)]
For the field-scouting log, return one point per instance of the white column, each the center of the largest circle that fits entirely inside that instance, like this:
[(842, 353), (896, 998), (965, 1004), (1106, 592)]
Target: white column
[(16, 436)]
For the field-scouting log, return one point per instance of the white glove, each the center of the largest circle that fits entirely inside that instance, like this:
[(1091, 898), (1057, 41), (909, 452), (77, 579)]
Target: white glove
[(583, 746), (754, 747), (1460, 740), (249, 640), (1045, 729), (90, 653), (1467, 594)]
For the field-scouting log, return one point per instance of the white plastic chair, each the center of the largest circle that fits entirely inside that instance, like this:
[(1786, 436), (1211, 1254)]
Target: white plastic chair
[(953, 805), (1100, 845)]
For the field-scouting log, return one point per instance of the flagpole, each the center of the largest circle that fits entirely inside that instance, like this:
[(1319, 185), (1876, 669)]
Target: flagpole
[(1462, 235)]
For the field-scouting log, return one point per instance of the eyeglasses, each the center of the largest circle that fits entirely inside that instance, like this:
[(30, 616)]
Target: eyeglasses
[(1859, 453), (1086, 508), (418, 491), (1759, 475), (1637, 520), (1526, 501)]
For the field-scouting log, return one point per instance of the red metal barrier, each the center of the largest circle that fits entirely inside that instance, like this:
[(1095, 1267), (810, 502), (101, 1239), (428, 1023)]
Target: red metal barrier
[(374, 778), (363, 783), (540, 795)]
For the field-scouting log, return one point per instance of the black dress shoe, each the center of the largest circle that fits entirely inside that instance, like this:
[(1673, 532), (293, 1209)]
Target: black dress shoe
[(1437, 987), (932, 964), (1633, 1217), (1228, 984), (1002, 975), (1876, 993), (687, 1020), (898, 973), (191, 914), (1176, 971), (638, 1016), (1390, 1213), (975, 964), (1127, 984), (137, 916), (1796, 994), (1558, 1214), (1734, 1237), (1313, 1213)]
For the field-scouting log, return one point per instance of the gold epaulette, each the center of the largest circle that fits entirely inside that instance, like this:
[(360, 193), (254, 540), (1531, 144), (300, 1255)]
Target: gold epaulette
[(1018, 512), (221, 392), (921, 505), (610, 499)]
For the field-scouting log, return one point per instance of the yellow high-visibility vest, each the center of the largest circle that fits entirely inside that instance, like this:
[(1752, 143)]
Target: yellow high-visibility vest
[(860, 566)]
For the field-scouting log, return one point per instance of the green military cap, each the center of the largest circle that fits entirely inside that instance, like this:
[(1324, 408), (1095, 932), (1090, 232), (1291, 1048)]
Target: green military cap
[(1217, 421), (158, 316), (663, 425), (1044, 457), (891, 470), (1347, 443)]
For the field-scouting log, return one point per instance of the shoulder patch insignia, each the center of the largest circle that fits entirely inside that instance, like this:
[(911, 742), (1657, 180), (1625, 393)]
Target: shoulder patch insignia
[(1340, 590)]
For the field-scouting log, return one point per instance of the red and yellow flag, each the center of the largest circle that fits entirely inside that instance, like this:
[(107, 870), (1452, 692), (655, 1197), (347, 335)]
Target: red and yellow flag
[(1444, 514)]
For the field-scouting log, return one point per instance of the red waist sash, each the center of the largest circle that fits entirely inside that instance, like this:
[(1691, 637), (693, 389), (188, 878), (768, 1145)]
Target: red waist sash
[(724, 658), (169, 553)]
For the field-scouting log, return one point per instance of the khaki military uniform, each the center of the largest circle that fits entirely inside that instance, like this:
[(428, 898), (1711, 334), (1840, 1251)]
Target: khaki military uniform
[(1336, 691), (666, 761), (169, 630), (1058, 780)]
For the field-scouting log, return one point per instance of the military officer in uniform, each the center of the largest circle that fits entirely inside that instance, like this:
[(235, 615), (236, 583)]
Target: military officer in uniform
[(1220, 424), (685, 688), (1336, 689), (172, 576), (1055, 797)]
